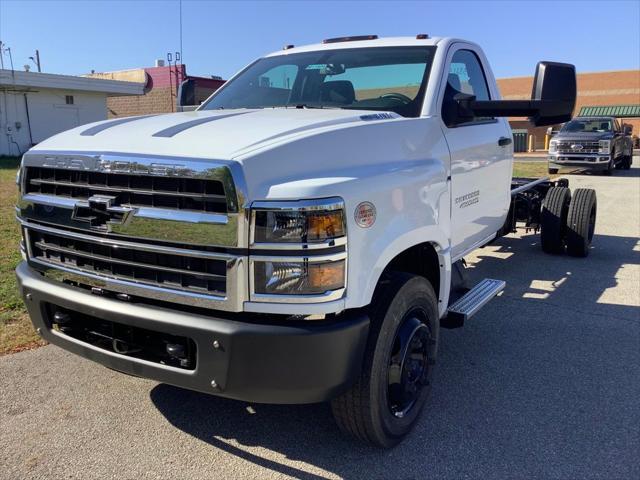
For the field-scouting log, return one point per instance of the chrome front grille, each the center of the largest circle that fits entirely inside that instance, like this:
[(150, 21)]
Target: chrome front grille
[(190, 277), (154, 228), (128, 262), (583, 147), (173, 193), (185, 202)]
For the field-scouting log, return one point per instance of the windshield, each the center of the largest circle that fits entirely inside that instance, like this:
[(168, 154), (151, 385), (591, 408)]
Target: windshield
[(378, 78), (591, 125)]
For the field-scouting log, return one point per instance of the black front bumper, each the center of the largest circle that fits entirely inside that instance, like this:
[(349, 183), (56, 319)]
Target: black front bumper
[(301, 362)]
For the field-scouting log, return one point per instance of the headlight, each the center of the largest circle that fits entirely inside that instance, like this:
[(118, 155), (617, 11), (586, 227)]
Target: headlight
[(553, 146), (302, 231), (298, 222), (605, 146), (298, 277)]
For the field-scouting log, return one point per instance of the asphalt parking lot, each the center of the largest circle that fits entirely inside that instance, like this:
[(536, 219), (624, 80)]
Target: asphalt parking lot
[(543, 383)]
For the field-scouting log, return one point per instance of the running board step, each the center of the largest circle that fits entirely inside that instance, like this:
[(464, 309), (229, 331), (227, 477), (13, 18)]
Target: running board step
[(472, 301)]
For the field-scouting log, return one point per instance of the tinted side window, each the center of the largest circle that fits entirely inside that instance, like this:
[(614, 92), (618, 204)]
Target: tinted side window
[(466, 71), (465, 76)]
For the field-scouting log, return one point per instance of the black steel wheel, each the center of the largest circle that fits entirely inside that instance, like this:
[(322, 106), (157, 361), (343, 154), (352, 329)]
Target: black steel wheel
[(409, 363), (581, 222), (553, 219), (386, 400)]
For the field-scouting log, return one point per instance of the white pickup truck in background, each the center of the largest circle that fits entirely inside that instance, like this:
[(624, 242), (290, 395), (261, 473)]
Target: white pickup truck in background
[(300, 236)]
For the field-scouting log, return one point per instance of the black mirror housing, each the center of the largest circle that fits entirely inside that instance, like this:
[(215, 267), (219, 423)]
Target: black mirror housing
[(554, 93), (186, 93)]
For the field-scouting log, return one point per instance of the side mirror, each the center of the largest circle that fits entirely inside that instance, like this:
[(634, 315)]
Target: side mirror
[(554, 93), (553, 98), (186, 99), (627, 129)]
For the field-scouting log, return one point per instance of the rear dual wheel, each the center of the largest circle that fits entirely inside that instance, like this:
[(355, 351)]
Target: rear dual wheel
[(553, 219), (386, 400), (581, 222), (568, 221)]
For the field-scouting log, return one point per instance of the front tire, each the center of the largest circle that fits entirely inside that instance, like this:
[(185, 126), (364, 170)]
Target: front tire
[(553, 171), (386, 400), (626, 164)]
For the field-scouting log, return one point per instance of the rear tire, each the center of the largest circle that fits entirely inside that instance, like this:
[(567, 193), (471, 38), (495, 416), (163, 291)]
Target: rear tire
[(386, 400), (553, 219), (581, 222)]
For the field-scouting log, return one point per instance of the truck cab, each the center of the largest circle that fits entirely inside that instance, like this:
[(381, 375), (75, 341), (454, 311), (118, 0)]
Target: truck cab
[(296, 238)]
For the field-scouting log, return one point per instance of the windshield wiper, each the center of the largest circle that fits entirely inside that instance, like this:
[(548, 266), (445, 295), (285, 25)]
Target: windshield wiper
[(302, 106), (305, 105), (310, 106)]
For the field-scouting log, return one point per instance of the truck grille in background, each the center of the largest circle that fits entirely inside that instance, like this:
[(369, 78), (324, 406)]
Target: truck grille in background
[(172, 271), (193, 194), (587, 147)]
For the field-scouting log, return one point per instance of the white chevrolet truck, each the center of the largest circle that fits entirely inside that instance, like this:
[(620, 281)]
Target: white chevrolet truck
[(300, 236)]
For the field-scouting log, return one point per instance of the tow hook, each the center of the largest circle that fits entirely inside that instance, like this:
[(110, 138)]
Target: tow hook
[(177, 351)]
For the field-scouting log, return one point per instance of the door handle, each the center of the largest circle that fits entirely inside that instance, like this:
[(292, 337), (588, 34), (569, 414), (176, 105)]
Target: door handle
[(504, 141)]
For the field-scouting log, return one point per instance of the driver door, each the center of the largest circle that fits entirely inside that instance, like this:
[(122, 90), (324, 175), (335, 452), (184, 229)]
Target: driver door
[(481, 155)]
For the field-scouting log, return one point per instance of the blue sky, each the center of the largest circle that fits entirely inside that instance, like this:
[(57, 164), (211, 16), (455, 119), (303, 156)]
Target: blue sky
[(219, 38)]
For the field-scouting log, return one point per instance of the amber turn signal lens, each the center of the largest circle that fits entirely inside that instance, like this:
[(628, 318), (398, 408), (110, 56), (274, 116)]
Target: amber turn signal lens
[(326, 276), (299, 278), (322, 226)]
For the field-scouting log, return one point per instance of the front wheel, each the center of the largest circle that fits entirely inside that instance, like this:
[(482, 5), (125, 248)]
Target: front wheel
[(553, 171), (386, 400), (626, 164)]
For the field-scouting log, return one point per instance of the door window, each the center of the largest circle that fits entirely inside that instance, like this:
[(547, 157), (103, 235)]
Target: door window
[(465, 76)]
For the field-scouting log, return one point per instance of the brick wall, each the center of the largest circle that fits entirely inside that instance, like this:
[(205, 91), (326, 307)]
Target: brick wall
[(161, 85), (158, 100), (601, 88)]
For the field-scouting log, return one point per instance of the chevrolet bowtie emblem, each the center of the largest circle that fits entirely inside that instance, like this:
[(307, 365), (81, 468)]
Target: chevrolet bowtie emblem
[(100, 213)]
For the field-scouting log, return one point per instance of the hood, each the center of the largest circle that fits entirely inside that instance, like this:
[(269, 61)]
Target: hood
[(583, 136), (219, 134)]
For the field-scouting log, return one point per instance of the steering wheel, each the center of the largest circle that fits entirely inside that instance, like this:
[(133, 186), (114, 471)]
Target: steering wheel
[(397, 96)]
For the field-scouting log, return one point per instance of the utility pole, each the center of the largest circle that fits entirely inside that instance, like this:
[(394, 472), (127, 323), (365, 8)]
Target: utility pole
[(180, 4), (36, 60)]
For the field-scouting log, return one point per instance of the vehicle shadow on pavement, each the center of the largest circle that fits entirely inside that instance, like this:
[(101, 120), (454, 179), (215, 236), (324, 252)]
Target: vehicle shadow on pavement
[(541, 383), (631, 173)]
